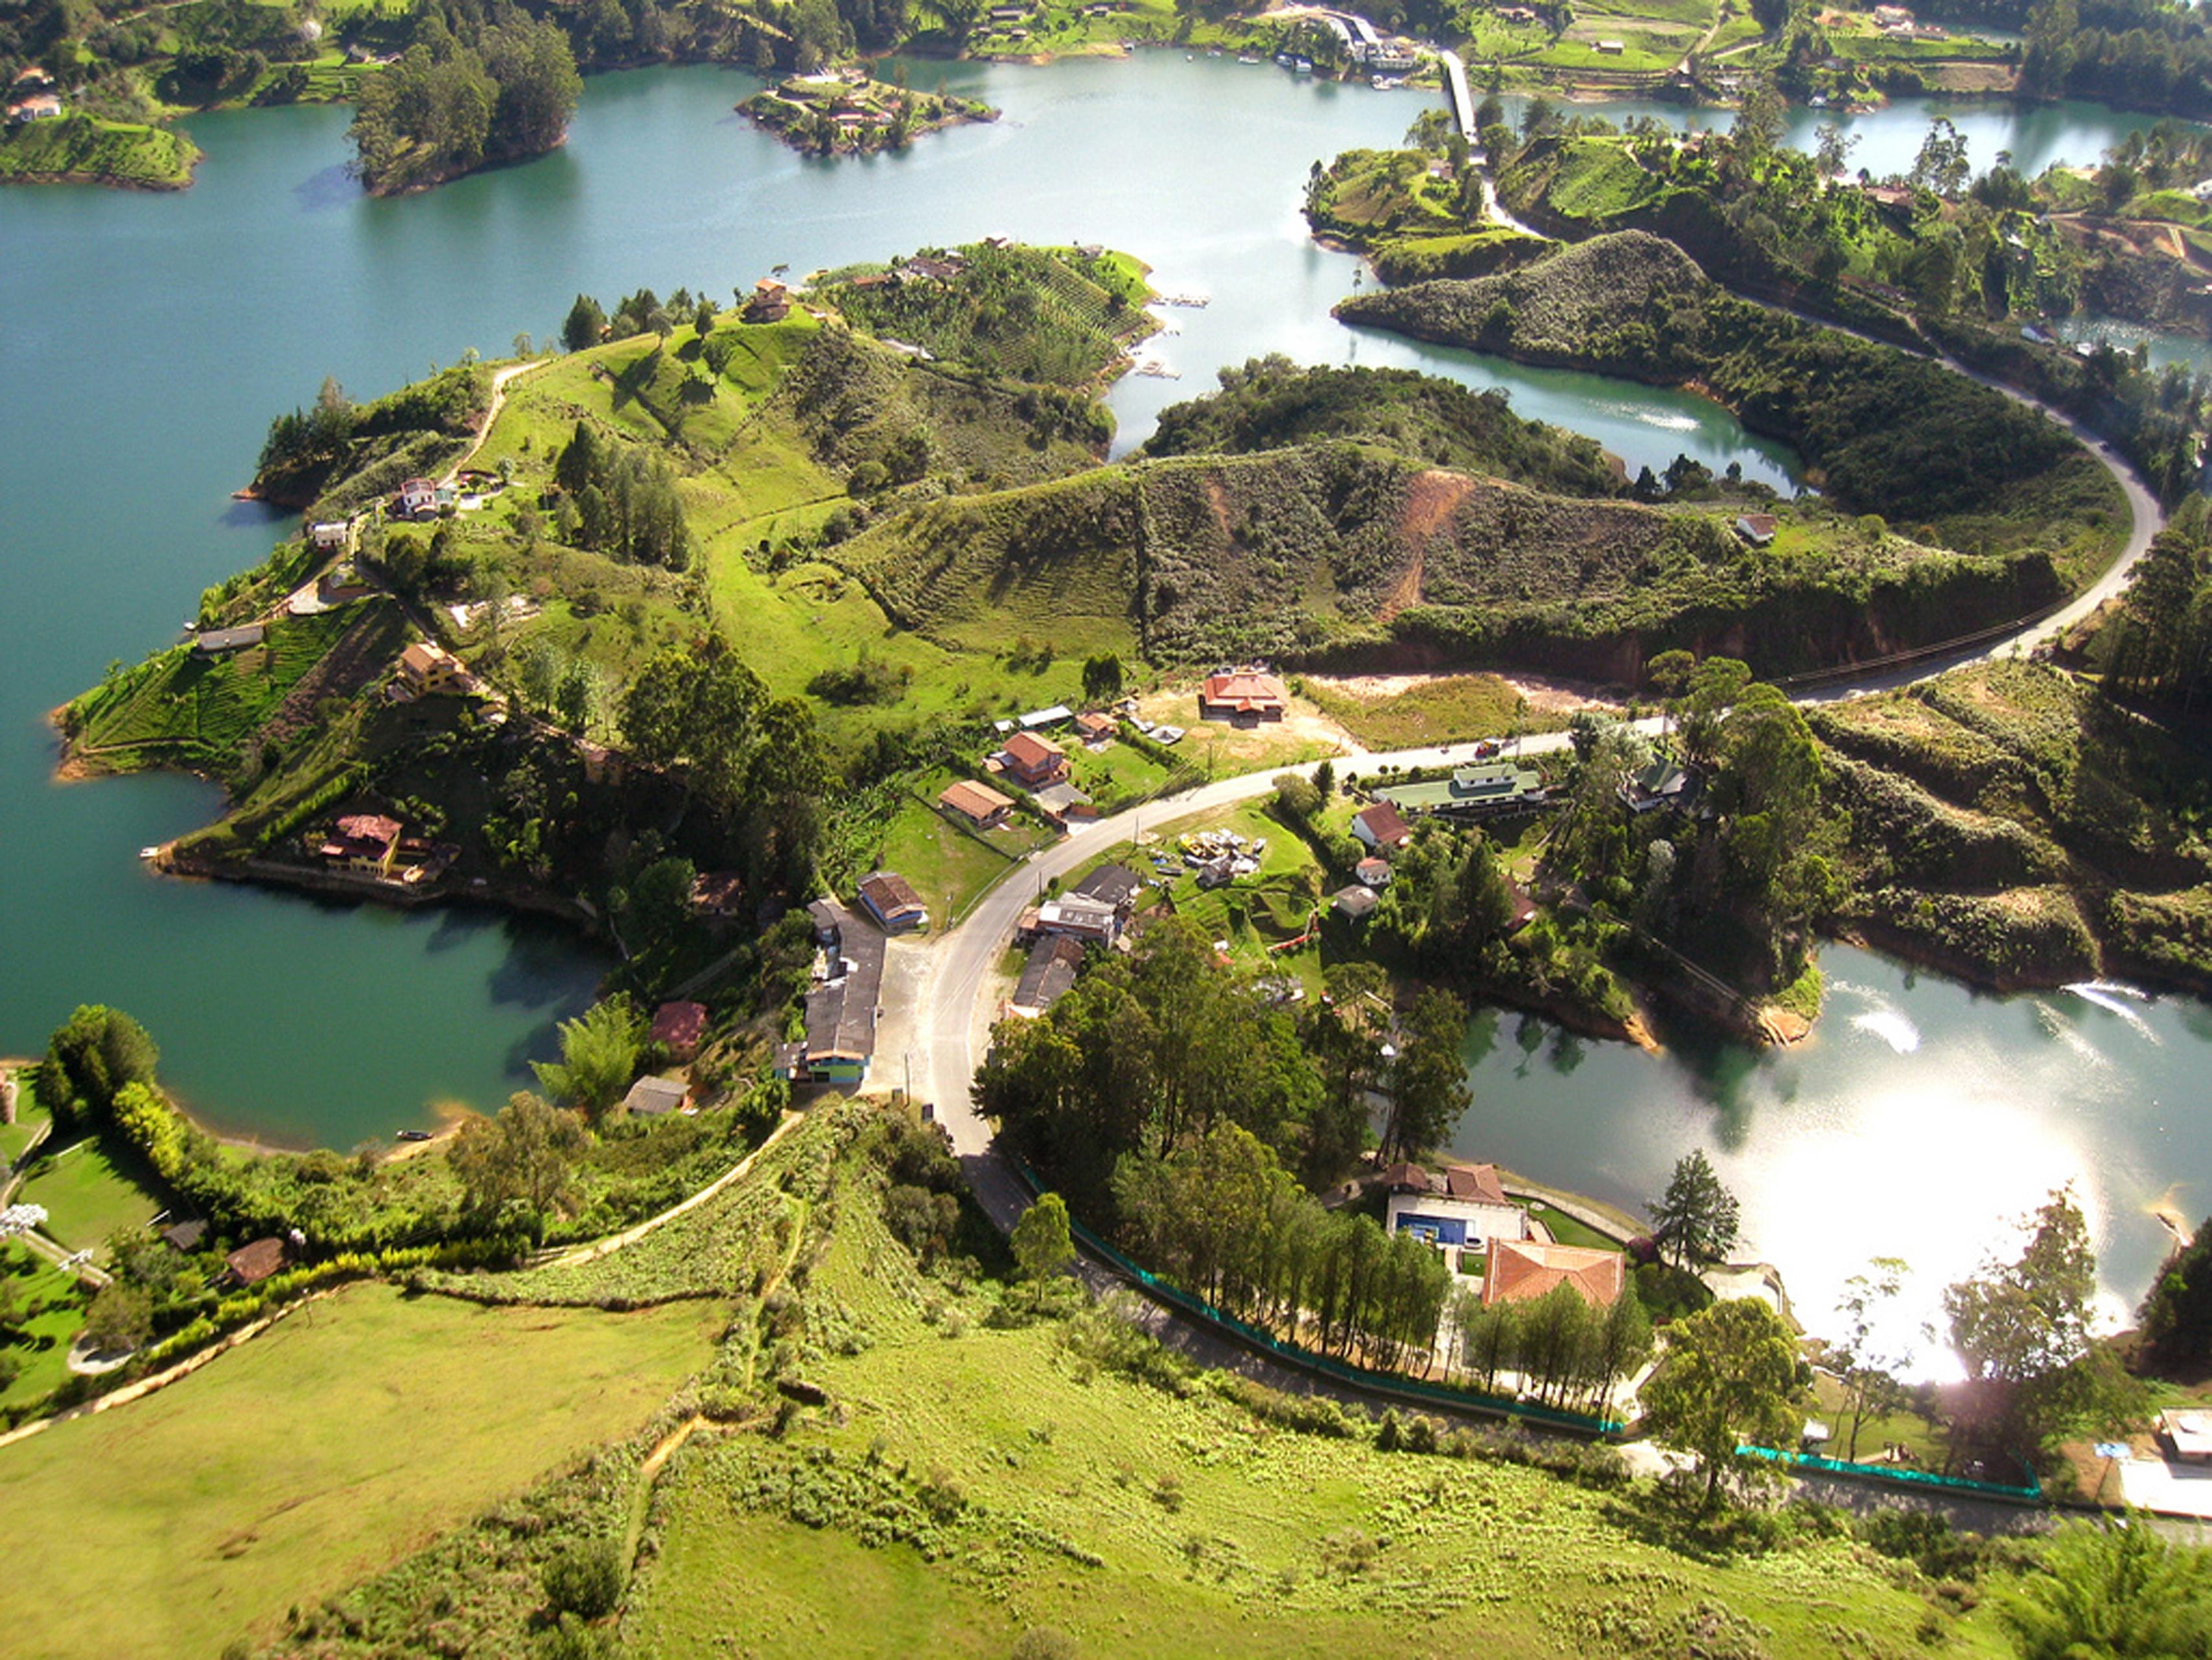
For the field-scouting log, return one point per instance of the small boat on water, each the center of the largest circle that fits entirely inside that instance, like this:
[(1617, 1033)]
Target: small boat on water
[(413, 1135), (1247, 58), (149, 853), (1302, 66)]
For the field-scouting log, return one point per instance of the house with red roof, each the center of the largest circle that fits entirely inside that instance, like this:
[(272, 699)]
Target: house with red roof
[(1520, 1271), (1035, 762), (1243, 698), (363, 844), (1382, 827)]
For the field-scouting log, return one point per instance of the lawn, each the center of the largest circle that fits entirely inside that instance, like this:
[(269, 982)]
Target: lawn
[(42, 1346), (30, 1116), (1117, 775), (1137, 1524), (90, 1192), (947, 865), (350, 1434)]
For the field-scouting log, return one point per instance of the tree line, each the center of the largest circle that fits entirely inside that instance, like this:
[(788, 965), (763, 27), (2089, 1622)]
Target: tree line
[(619, 500)]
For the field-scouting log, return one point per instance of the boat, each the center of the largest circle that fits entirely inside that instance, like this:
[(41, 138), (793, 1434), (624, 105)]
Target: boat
[(413, 1135), (149, 853), (1302, 66), (1247, 58)]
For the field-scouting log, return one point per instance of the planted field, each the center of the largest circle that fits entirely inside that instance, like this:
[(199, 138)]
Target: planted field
[(84, 147), (350, 1433)]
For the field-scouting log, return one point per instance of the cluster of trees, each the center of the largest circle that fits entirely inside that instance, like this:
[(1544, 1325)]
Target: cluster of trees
[(305, 448), (501, 89), (2176, 1317), (1565, 1351), (756, 764), (2162, 648), (620, 501), (2137, 53)]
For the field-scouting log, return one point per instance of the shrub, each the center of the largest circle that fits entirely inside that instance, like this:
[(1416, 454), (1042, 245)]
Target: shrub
[(586, 1580)]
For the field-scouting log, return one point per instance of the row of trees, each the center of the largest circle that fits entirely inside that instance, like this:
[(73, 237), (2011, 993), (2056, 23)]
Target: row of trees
[(2163, 646), (620, 501), (1566, 1352)]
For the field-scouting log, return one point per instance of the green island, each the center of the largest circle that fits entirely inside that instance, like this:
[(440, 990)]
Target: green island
[(828, 114), (807, 647)]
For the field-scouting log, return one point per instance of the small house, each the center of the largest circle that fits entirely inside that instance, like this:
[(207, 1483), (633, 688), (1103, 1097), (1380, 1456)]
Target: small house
[(979, 804), (1241, 698), (249, 1265), (1373, 873), (770, 302), (417, 499), (678, 1028), (431, 671), (1096, 728), (1035, 762), (2187, 1433), (1756, 528), (216, 641), (1051, 969), (329, 536), (1381, 826), (1521, 1271), (891, 900), (1355, 903), (1612, 48), (656, 1097), (364, 844), (1065, 805)]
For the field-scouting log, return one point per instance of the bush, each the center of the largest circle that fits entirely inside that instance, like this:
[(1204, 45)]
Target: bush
[(586, 1580)]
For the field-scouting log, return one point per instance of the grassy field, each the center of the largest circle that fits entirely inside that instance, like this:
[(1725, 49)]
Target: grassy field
[(352, 1432), (947, 865), (1440, 711), (90, 1192), (84, 147), (42, 1346), (970, 1484), (30, 1117)]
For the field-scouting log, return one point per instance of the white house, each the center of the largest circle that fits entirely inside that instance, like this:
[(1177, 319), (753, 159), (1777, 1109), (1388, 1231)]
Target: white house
[(1460, 1208), (1381, 827)]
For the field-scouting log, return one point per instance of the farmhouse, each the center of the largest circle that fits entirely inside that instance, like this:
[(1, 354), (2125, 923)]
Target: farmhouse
[(770, 302), (1522, 1271), (654, 1097), (1459, 1208), (433, 671), (891, 900), (1381, 826), (328, 535), (1756, 528), (364, 844), (840, 1010), (677, 1027), (1242, 696), (1035, 762), (979, 804), (249, 1265)]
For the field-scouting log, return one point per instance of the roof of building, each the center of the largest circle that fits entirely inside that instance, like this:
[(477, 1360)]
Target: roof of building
[(1476, 1183), (717, 890), (1756, 523), (1095, 725), (1028, 750), (1407, 1178), (1059, 798), (655, 1095), (841, 1012), (1372, 872), (1045, 717), (1383, 823), (1524, 1269), (2190, 1429), (1116, 885), (369, 827), (230, 639), (421, 656), (1244, 689), (888, 894), (1355, 902), (1079, 912), (251, 1264), (1050, 971), (975, 799), (185, 1236), (680, 1024)]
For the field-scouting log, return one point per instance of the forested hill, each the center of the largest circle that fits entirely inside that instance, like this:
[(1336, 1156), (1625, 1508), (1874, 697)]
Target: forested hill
[(1882, 432)]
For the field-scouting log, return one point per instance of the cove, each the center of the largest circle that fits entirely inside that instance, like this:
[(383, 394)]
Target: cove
[(1920, 1117), (150, 338)]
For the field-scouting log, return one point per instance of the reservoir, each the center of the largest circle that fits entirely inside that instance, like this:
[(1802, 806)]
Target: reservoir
[(150, 338)]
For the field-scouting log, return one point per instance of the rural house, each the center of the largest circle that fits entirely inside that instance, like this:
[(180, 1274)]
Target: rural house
[(1242, 696), (1355, 903), (1381, 826), (1756, 528), (840, 1044), (364, 844), (655, 1097), (431, 671), (1050, 971), (979, 804), (891, 900), (1035, 763), (1460, 1208), (417, 499)]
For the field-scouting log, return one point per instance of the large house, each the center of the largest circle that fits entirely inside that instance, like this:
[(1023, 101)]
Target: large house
[(1381, 826), (979, 804), (431, 671), (891, 900), (1035, 762), (1242, 696), (1520, 1271), (1462, 1207), (364, 844), (1072, 916)]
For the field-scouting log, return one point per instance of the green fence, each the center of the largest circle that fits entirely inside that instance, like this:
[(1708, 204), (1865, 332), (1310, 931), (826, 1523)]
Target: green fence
[(1923, 1481), (1322, 1365)]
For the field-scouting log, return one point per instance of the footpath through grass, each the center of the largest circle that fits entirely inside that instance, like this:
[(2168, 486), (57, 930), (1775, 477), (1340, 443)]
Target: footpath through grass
[(354, 1431)]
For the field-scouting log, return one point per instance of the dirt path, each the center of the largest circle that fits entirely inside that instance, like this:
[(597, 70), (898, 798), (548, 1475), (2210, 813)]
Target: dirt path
[(499, 379), (592, 1253)]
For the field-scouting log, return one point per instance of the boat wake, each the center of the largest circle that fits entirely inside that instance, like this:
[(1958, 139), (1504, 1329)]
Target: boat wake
[(1893, 1028), (2055, 1024), (2115, 999)]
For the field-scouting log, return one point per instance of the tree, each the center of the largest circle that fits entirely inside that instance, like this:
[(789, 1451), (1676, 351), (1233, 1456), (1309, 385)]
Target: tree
[(1729, 1378), (586, 323), (1697, 1217), (2114, 1591), (1428, 1082), (1042, 1245), (1942, 165), (2175, 1315), (90, 1060), (522, 1156), (1868, 1370), (1102, 677), (585, 1579), (2021, 1330), (121, 1318), (599, 1053)]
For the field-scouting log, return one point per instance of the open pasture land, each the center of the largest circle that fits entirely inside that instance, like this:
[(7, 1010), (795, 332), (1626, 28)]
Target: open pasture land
[(351, 1433)]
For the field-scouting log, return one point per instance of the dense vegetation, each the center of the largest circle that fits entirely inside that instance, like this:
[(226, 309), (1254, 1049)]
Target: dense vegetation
[(451, 103), (1885, 433)]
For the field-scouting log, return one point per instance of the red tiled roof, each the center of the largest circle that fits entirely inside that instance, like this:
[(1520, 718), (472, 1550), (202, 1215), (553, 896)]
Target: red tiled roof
[(1407, 1178), (1245, 690), (977, 801), (888, 893), (1028, 750), (1522, 1270), (1476, 1183), (680, 1025), (1384, 823), (369, 827), (251, 1264)]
